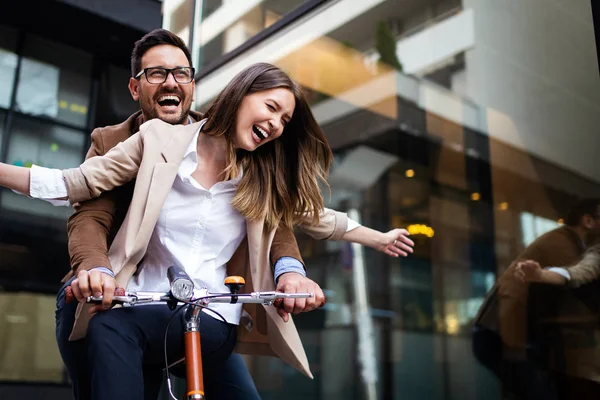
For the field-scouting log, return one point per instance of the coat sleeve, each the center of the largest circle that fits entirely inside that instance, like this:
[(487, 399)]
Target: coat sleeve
[(103, 173), (588, 269), (332, 225), (285, 245)]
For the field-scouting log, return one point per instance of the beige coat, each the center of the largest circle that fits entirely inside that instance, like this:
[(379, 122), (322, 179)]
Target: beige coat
[(152, 157), (588, 269)]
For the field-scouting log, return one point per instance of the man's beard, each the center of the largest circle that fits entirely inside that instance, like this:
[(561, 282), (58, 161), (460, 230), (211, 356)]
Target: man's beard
[(173, 119), (150, 112)]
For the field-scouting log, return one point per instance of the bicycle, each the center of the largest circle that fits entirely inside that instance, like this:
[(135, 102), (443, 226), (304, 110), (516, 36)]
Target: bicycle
[(182, 291)]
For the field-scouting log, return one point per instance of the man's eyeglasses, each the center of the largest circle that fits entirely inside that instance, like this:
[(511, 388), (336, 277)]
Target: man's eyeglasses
[(158, 75)]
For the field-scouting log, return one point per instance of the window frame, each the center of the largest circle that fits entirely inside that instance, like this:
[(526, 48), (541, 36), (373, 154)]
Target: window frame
[(285, 20)]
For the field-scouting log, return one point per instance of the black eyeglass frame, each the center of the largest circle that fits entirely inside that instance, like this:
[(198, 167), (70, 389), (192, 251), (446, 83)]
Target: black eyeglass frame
[(167, 72)]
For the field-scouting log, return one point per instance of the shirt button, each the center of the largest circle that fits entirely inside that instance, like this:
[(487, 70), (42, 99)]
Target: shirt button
[(209, 196)]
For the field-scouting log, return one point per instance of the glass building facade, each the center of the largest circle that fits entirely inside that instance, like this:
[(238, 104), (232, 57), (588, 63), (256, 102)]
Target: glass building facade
[(473, 124), (56, 86)]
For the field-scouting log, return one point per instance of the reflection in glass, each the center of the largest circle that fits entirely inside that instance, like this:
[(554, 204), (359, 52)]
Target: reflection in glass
[(114, 100), (8, 65), (177, 17), (38, 92), (493, 134), (47, 145), (54, 82), (228, 24), (2, 117)]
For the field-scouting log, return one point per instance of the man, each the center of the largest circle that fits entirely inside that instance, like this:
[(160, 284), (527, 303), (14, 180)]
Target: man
[(94, 224), (581, 357), (500, 335)]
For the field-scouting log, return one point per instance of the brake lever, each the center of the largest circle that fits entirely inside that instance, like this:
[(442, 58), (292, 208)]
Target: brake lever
[(123, 300), (276, 298)]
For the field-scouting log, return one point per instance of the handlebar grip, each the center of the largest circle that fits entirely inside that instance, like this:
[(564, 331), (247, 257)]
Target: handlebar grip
[(278, 303), (70, 297)]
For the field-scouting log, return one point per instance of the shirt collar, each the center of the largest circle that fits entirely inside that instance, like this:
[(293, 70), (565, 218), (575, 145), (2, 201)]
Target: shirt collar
[(191, 152), (191, 149)]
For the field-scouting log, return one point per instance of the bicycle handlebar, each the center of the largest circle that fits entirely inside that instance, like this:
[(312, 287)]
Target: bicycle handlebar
[(182, 290), (199, 295)]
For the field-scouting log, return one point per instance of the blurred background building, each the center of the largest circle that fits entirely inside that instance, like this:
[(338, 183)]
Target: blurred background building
[(64, 68), (473, 123)]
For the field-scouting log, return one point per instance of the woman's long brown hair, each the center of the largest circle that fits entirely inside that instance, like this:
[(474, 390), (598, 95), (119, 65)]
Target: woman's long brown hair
[(280, 181)]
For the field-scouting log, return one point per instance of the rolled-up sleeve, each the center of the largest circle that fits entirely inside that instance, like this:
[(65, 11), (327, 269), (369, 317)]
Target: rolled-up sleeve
[(332, 225), (48, 184), (561, 271), (103, 173)]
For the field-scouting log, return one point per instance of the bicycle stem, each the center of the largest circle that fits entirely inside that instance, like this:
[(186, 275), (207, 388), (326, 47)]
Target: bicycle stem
[(193, 355)]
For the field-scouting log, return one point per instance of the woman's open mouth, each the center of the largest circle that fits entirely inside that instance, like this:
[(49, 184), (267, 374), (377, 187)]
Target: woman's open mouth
[(259, 134)]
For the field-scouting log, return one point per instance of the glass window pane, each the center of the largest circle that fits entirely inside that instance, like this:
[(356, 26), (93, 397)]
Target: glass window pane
[(8, 64), (29, 349), (115, 104), (2, 118), (178, 16), (493, 136), (47, 145), (54, 81), (227, 24)]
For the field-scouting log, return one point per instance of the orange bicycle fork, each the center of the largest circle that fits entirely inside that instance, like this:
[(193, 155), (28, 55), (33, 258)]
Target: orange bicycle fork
[(193, 358)]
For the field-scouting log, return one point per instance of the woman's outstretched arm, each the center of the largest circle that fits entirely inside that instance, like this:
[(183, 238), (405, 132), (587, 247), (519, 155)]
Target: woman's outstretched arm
[(15, 178), (394, 243), (103, 173), (95, 176), (335, 225)]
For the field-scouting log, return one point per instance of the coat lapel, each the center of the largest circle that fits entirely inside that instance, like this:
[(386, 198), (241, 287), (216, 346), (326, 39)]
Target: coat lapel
[(284, 340), (163, 176), (259, 245)]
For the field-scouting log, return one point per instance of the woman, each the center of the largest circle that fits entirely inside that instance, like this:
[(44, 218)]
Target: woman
[(255, 162)]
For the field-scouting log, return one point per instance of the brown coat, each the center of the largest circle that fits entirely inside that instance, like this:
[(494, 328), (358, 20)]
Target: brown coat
[(570, 315), (153, 157), (505, 307)]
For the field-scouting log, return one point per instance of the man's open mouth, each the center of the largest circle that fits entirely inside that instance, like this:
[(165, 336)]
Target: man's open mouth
[(169, 101)]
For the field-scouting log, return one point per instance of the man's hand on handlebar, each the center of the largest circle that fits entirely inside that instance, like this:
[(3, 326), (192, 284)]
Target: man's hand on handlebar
[(292, 282), (94, 283)]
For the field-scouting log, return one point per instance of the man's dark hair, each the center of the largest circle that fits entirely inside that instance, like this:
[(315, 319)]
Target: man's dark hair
[(581, 208), (155, 38)]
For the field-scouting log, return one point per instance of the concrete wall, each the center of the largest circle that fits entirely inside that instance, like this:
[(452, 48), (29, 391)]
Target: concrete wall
[(534, 68)]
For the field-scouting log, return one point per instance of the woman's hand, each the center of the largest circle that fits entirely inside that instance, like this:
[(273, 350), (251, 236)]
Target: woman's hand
[(396, 243), (293, 282)]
